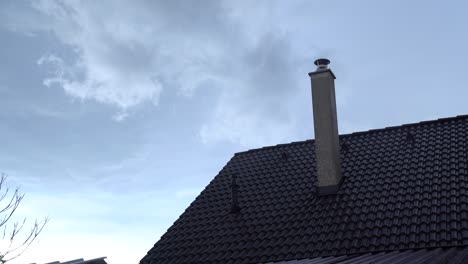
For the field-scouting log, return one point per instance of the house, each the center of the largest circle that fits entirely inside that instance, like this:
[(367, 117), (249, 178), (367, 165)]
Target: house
[(82, 261), (392, 195)]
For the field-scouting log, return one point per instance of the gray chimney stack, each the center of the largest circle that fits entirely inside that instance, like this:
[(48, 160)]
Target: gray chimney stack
[(327, 146)]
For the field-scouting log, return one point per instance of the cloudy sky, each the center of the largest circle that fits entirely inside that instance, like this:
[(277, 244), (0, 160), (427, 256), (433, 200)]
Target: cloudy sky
[(114, 115)]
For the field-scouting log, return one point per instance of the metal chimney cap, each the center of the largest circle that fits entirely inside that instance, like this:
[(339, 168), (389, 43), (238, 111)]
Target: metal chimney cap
[(322, 63), (322, 66)]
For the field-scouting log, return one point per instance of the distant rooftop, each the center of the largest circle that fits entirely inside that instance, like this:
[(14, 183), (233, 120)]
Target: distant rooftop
[(82, 261)]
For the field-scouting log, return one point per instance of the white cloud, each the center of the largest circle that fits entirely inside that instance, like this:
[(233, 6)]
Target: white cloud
[(248, 127), (124, 52), (127, 54), (254, 108)]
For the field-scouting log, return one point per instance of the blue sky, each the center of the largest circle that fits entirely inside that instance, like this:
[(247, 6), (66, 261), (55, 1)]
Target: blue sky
[(114, 115)]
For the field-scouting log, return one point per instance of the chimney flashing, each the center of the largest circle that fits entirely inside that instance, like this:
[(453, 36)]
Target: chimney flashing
[(329, 189)]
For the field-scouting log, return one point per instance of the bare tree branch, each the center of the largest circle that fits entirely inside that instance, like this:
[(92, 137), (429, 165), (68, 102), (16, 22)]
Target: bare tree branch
[(35, 231), (15, 249)]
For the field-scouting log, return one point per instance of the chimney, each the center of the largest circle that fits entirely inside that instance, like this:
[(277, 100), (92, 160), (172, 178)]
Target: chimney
[(327, 148)]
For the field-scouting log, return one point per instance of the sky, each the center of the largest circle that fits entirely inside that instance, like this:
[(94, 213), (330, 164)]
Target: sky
[(114, 115)]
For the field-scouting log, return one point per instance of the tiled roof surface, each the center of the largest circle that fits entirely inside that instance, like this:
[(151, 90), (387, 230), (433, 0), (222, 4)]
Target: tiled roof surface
[(405, 187), (419, 256)]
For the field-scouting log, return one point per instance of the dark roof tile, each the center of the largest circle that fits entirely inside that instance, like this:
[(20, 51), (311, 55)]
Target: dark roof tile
[(395, 195)]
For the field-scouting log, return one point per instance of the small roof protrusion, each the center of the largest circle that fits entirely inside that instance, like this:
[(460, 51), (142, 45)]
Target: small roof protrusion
[(410, 139), (344, 147), (234, 195)]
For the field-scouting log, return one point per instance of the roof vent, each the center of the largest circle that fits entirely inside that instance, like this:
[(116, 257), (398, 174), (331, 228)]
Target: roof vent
[(234, 194), (322, 64), (410, 138), (344, 147)]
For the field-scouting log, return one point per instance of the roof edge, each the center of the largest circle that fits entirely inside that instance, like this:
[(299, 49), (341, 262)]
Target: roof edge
[(354, 253), (407, 125)]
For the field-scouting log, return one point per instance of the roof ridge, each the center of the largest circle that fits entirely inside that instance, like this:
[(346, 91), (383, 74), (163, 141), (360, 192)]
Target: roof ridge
[(275, 146), (458, 117)]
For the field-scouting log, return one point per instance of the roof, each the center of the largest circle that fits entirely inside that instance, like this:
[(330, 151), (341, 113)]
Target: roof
[(417, 256), (404, 187), (82, 261)]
